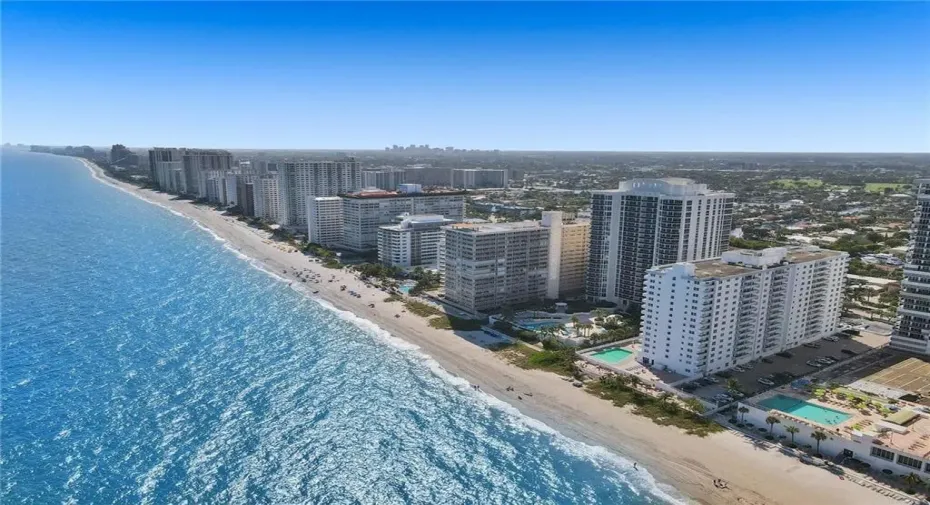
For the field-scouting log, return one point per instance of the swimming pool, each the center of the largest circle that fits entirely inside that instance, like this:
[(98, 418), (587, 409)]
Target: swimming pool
[(405, 288), (612, 356), (535, 325), (805, 410)]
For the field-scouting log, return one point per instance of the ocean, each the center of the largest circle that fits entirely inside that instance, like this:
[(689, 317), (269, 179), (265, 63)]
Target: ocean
[(145, 362)]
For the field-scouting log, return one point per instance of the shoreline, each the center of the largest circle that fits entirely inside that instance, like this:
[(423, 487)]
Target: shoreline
[(756, 475)]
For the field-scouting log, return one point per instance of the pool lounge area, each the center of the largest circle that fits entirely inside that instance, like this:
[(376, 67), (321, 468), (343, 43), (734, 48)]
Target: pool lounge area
[(535, 325), (805, 410)]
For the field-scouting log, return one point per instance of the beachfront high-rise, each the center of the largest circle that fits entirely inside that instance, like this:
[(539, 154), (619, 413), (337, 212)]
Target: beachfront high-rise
[(365, 211), (185, 171), (301, 180), (324, 221), (267, 194), (568, 254), (649, 222), (414, 241), (705, 316), (489, 265), (912, 327), (387, 179)]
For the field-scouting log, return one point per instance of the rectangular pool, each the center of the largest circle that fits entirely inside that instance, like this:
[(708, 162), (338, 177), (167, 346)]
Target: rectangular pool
[(805, 410), (535, 325), (612, 356)]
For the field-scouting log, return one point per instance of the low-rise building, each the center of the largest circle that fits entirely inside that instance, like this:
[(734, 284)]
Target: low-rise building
[(487, 266), (706, 316), (477, 178), (414, 241), (568, 254)]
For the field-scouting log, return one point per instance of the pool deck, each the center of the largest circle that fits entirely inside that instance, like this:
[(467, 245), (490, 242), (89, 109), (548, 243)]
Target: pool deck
[(855, 416)]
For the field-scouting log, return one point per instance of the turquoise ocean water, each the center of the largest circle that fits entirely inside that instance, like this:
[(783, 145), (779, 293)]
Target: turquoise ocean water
[(144, 362)]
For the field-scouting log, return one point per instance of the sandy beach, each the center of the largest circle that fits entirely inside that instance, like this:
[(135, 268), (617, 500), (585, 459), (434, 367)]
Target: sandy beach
[(755, 474)]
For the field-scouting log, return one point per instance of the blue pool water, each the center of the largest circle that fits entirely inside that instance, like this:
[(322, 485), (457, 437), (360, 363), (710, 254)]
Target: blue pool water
[(405, 288), (144, 362), (805, 410), (535, 325)]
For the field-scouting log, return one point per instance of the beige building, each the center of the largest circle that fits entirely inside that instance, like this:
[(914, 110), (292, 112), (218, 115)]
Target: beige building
[(489, 265), (568, 254)]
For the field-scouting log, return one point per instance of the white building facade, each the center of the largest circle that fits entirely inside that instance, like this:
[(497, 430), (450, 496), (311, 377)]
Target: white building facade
[(649, 222), (324, 221), (302, 180), (415, 241), (702, 317), (268, 205), (489, 265), (365, 211)]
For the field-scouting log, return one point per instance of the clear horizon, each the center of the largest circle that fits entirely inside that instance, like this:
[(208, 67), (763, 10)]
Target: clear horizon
[(685, 77)]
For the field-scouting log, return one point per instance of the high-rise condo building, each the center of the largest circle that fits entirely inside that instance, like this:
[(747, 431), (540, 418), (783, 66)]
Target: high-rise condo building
[(414, 241), (487, 266), (477, 178), (648, 222), (193, 164), (568, 254), (705, 316), (268, 205), (912, 327), (301, 180), (324, 221), (365, 211), (387, 179)]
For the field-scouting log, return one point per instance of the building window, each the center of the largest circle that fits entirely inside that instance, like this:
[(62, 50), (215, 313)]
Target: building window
[(911, 462), (878, 452)]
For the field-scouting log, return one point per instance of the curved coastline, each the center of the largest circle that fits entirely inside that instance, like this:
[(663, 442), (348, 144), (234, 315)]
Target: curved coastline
[(582, 422)]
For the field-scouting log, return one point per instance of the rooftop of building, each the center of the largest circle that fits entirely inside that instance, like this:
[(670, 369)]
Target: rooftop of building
[(669, 186), (495, 227), (382, 193), (743, 261), (411, 221)]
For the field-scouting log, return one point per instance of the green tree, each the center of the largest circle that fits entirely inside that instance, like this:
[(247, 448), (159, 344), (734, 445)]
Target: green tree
[(772, 421), (734, 386), (819, 436), (575, 321), (792, 430), (742, 411), (912, 480)]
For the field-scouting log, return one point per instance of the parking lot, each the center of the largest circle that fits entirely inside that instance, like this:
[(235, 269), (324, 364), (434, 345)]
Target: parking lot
[(782, 369)]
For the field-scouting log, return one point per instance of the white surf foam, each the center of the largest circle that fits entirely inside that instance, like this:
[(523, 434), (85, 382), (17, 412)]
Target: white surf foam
[(640, 480)]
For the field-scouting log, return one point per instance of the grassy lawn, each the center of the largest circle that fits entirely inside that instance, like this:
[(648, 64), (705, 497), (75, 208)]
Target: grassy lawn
[(393, 298), (447, 322), (661, 412), (879, 187), (560, 361), (797, 183), (421, 309)]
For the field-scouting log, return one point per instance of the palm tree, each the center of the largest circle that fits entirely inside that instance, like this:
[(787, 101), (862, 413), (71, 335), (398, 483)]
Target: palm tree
[(819, 436), (772, 421), (733, 385), (912, 480), (743, 411), (574, 320), (665, 397), (694, 405), (791, 429), (599, 313)]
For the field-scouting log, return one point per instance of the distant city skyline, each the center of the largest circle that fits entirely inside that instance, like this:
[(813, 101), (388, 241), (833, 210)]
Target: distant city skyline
[(645, 77)]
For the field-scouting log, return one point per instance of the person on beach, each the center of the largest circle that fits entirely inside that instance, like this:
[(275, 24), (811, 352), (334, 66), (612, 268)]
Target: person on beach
[(634, 466)]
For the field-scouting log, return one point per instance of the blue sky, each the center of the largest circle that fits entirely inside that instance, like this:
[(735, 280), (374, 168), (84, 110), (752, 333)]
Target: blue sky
[(748, 76)]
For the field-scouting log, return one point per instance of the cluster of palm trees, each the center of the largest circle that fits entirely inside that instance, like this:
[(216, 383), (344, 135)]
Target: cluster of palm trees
[(581, 329), (771, 420)]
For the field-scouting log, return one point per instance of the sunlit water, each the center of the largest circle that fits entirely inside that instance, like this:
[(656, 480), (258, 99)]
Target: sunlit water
[(144, 362)]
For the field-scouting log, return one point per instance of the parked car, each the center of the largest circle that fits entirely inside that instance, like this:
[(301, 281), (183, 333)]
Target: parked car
[(831, 338), (739, 369), (814, 364), (784, 354), (763, 380), (712, 379), (812, 345), (747, 366), (849, 352), (767, 360)]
